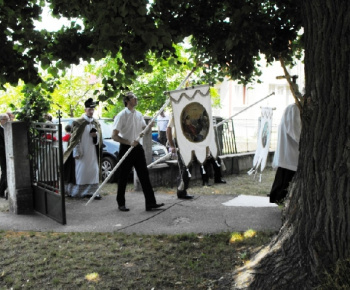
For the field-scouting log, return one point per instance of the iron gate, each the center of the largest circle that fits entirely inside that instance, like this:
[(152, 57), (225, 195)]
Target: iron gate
[(46, 152), (225, 137)]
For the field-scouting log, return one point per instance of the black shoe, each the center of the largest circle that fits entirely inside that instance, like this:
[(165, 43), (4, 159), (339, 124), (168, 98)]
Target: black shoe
[(123, 208), (184, 195), (97, 197), (153, 206), (220, 181)]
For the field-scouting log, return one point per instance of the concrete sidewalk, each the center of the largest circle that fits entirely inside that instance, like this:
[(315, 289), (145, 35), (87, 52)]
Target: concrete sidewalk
[(203, 214)]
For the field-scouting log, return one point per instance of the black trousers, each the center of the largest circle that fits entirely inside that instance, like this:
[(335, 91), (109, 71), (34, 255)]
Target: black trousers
[(183, 174), (162, 137), (3, 180), (137, 159), (216, 168), (280, 185)]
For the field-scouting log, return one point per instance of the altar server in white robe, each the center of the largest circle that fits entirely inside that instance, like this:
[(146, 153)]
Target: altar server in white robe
[(83, 155), (287, 153)]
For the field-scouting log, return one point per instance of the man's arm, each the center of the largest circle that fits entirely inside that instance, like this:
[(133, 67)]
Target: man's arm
[(169, 136), (117, 138)]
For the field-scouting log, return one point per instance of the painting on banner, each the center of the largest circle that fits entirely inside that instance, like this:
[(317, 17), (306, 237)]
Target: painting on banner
[(264, 139), (193, 122)]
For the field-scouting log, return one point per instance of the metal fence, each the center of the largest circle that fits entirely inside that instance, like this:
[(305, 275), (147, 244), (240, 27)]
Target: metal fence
[(226, 138), (240, 135)]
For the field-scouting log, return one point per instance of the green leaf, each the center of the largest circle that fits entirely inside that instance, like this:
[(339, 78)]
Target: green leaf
[(142, 10), (53, 71)]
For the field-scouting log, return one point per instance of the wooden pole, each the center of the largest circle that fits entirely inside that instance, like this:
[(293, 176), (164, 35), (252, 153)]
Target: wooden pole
[(293, 86)]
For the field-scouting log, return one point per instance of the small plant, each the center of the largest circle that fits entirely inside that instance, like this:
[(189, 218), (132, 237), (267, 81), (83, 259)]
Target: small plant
[(249, 234), (92, 277), (238, 237), (244, 255)]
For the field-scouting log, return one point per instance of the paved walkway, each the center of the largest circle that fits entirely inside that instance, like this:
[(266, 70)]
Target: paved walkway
[(203, 214)]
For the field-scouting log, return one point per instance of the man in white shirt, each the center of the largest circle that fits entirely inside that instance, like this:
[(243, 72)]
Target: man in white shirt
[(162, 122), (287, 152), (128, 124)]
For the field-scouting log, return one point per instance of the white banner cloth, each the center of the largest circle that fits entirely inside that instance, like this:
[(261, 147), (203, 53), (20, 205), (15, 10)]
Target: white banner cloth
[(264, 138), (193, 123)]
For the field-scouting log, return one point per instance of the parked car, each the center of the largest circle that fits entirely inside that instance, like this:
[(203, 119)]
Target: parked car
[(110, 148), (155, 136)]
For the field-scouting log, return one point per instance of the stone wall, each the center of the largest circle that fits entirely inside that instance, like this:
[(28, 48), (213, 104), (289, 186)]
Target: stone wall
[(18, 168), (165, 174)]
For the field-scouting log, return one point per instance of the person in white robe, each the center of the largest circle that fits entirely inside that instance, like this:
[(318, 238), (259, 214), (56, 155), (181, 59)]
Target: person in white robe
[(287, 153), (83, 155)]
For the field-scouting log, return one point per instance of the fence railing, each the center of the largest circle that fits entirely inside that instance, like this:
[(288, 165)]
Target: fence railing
[(45, 156), (226, 139), (240, 135)]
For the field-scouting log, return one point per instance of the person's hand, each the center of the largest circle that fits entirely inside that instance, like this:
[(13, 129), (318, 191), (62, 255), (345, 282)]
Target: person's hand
[(172, 149), (134, 143), (93, 132)]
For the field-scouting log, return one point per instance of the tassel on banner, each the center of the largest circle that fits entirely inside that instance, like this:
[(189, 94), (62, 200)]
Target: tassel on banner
[(260, 177), (203, 171), (251, 171), (217, 163), (188, 172), (181, 185), (223, 166)]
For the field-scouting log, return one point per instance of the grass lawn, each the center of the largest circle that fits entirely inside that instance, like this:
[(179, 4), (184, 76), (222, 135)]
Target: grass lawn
[(40, 260)]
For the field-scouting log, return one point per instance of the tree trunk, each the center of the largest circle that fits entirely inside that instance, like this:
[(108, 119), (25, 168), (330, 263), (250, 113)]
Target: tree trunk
[(316, 228)]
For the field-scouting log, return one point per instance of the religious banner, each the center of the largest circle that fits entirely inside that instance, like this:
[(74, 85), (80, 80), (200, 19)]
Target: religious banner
[(264, 138), (193, 122)]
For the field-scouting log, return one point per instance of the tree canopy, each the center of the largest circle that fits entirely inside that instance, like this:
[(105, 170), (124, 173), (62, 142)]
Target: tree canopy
[(227, 36), (134, 38)]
